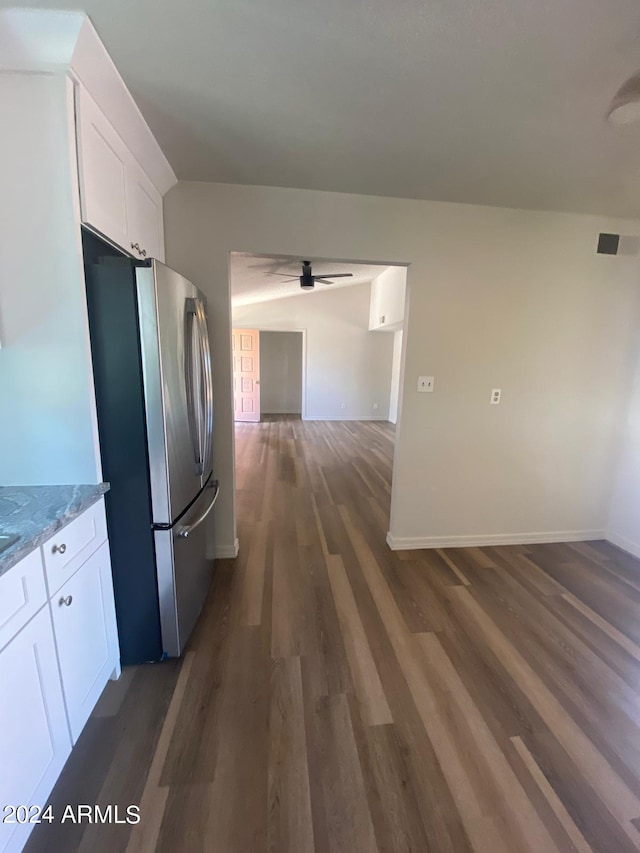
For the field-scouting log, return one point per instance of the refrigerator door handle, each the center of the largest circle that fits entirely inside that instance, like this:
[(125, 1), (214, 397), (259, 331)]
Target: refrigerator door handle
[(184, 531), (193, 410), (205, 355)]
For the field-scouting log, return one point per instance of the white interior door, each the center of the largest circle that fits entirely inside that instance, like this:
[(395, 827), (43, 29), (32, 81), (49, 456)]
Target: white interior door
[(245, 345)]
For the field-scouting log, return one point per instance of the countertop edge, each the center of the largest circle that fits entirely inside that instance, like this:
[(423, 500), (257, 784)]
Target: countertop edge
[(26, 545)]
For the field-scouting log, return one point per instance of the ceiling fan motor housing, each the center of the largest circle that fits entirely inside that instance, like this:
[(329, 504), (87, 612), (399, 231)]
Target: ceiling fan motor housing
[(306, 282)]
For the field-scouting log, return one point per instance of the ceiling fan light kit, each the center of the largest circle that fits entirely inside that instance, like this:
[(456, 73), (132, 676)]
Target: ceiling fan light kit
[(625, 106)]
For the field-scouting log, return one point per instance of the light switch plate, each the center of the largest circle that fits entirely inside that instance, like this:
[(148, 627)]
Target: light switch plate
[(425, 384)]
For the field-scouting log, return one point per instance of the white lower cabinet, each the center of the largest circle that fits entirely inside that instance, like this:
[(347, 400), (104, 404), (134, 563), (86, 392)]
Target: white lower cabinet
[(85, 630), (34, 736), (58, 649)]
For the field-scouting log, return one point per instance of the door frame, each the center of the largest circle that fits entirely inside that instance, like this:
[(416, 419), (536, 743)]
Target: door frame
[(261, 329)]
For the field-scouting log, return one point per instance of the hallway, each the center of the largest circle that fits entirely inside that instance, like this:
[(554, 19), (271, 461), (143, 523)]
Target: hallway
[(338, 696)]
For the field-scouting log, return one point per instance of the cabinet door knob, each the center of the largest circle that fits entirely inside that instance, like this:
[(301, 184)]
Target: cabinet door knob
[(59, 549), (143, 252), (65, 600)]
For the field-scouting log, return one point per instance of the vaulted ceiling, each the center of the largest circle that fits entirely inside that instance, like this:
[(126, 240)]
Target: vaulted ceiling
[(257, 278), (494, 101)]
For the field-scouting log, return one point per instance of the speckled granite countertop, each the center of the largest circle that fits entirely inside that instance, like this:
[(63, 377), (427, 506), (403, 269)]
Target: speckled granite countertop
[(34, 513)]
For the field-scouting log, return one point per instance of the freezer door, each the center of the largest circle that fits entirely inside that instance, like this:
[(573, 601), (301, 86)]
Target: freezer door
[(184, 572), (176, 385)]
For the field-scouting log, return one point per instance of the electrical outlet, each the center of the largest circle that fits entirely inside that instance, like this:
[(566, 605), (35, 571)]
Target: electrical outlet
[(343, 405), (496, 396), (375, 405), (425, 384)]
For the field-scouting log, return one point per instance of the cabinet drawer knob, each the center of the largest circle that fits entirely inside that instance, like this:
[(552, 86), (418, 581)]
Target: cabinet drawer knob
[(65, 600), (59, 549)]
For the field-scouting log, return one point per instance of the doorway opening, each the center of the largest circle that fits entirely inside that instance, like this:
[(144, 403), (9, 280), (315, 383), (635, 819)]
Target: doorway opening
[(318, 339), (315, 340), (269, 375)]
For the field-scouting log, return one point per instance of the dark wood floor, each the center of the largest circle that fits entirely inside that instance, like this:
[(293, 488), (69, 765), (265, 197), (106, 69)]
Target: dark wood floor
[(340, 697)]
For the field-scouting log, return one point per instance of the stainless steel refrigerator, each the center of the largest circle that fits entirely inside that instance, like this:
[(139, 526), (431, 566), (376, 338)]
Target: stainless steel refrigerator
[(152, 373)]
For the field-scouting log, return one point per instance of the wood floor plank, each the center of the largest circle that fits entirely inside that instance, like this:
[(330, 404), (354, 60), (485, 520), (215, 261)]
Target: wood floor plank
[(618, 798), (290, 824), (349, 827), (144, 836), (254, 575), (576, 837), (339, 696), (617, 636), (141, 719), (368, 687)]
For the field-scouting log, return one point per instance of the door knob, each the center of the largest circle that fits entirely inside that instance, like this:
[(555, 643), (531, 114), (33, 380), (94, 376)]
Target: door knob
[(59, 549), (66, 600)]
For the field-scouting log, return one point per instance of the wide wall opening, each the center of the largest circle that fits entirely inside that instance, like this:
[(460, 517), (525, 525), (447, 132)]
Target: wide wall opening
[(316, 338)]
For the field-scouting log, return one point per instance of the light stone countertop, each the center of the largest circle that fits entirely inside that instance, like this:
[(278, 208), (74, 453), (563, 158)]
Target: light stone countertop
[(35, 513)]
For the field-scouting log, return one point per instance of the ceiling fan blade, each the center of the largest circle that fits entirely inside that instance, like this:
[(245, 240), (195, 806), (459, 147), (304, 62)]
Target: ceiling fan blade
[(281, 274), (322, 280), (295, 278), (337, 275)]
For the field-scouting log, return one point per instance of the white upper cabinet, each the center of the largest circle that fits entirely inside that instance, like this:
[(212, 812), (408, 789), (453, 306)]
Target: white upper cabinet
[(103, 160), (387, 300), (144, 204), (117, 199)]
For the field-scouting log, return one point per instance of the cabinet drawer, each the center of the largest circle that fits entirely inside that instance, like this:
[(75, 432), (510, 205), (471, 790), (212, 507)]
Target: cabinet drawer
[(85, 629), (67, 550), (22, 594)]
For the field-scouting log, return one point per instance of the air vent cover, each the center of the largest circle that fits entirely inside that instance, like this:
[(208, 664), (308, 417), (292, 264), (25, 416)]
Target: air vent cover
[(608, 244)]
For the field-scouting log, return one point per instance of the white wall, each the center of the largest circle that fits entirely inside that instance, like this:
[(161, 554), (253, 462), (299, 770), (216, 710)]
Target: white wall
[(498, 298), (396, 369), (47, 414), (281, 373), (624, 521), (388, 298), (345, 362)]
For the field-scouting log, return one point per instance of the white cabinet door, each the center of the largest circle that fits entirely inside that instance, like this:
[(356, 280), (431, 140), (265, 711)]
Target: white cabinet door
[(103, 163), (86, 636), (144, 204), (117, 199), (34, 737)]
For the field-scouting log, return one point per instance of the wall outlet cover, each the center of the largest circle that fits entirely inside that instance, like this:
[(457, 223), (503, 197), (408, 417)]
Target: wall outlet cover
[(425, 384)]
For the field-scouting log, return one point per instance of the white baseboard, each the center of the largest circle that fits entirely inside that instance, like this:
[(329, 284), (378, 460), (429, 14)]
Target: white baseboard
[(345, 418), (408, 543), (632, 548), (228, 552)]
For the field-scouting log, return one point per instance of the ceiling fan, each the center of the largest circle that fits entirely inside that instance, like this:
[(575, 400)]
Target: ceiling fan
[(307, 279)]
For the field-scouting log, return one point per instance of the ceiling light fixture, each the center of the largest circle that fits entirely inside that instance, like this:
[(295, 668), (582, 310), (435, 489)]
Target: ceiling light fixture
[(625, 106)]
